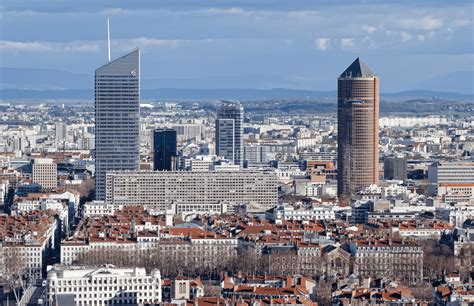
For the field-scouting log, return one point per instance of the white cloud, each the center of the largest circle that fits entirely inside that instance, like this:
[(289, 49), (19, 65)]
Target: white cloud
[(144, 42), (217, 11), (7, 45), (421, 37), (347, 43), (369, 29), (405, 36), (115, 11), (426, 23), (42, 46), (321, 43)]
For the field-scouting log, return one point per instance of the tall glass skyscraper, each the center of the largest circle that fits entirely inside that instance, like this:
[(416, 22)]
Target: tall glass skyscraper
[(117, 116), (164, 150), (358, 129), (230, 131)]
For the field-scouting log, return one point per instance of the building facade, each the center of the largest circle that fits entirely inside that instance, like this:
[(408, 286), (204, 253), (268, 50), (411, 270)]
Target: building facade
[(395, 168), (45, 173), (451, 173), (117, 116), (159, 190), (164, 150), (229, 132), (399, 259), (358, 129), (106, 285)]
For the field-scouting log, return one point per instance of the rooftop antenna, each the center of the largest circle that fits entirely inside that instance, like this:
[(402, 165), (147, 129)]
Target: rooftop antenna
[(108, 40)]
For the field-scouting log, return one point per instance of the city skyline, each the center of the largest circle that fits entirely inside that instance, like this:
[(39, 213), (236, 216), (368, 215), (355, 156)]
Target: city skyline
[(212, 153), (243, 45)]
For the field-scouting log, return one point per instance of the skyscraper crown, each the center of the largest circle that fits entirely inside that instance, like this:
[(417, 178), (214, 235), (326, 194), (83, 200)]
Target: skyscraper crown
[(357, 69)]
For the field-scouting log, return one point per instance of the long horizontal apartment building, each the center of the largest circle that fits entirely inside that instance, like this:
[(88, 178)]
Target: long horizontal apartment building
[(158, 190)]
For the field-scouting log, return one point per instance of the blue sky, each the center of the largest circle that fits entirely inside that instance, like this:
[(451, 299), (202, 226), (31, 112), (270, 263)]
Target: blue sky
[(248, 43)]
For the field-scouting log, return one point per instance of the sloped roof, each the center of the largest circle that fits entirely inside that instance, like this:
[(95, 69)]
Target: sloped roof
[(357, 69)]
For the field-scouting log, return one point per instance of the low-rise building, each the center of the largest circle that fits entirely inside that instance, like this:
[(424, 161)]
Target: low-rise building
[(105, 285), (288, 212), (377, 258), (28, 239)]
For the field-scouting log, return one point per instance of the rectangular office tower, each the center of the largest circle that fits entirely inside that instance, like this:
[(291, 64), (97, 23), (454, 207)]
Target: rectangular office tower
[(117, 116), (230, 131), (164, 150), (358, 129), (395, 167)]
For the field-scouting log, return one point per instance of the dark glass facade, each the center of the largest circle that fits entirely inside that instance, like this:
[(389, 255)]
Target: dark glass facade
[(164, 150)]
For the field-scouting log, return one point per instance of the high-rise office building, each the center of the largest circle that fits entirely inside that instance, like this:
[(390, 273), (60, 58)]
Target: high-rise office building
[(117, 115), (395, 167), (358, 129), (164, 150), (230, 131), (60, 134)]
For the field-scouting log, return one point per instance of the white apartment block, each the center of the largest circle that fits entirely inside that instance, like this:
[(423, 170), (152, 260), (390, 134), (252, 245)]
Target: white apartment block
[(157, 190), (454, 193), (200, 209), (99, 208), (451, 173), (103, 286), (411, 121), (45, 173), (314, 190), (458, 214), (287, 212), (200, 165)]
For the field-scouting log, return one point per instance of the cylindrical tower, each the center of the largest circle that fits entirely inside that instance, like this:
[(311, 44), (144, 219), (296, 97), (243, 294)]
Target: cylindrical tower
[(358, 129)]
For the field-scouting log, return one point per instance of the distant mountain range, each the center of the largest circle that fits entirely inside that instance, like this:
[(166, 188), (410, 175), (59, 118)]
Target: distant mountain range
[(41, 84), (210, 94)]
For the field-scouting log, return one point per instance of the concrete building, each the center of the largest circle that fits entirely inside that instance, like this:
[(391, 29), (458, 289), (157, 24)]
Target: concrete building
[(200, 164), (451, 173), (165, 152), (455, 193), (60, 134), (395, 168), (287, 212), (188, 131), (45, 173), (117, 116), (255, 154), (105, 285), (229, 132), (358, 129), (158, 190)]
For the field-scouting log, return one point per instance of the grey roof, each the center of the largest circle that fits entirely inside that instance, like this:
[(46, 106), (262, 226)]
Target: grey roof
[(357, 69), (124, 65)]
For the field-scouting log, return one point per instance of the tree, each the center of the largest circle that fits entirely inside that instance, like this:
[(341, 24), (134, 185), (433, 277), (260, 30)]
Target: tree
[(423, 291), (14, 268), (438, 259), (324, 292)]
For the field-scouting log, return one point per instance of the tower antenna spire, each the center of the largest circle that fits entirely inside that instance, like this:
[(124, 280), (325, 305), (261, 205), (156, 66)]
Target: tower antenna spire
[(108, 40)]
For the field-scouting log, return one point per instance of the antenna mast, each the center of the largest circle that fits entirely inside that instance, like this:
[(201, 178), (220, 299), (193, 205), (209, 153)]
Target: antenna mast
[(108, 40)]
